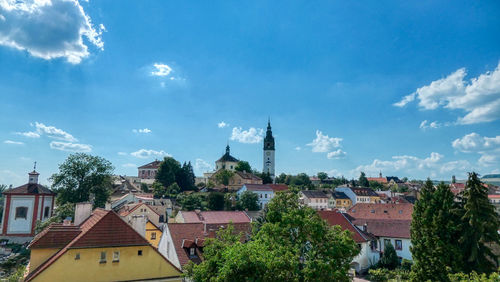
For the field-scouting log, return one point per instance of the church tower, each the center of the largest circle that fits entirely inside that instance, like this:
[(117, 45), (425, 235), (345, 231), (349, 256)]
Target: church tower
[(269, 151)]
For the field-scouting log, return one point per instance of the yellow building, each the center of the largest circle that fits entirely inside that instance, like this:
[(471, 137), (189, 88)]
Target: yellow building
[(153, 234), (101, 248)]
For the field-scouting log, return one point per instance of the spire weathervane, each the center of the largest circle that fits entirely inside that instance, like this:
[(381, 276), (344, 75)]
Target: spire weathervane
[(34, 166)]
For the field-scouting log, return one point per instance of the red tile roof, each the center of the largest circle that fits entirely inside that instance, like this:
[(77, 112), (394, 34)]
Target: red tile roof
[(336, 218), (56, 235), (258, 187), (278, 187), (127, 209), (377, 179), (30, 188), (102, 229), (153, 165), (215, 217), (386, 227), (381, 211)]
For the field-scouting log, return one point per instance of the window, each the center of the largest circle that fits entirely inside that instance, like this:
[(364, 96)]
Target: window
[(191, 252), (21, 212), (46, 212), (103, 257), (386, 242), (153, 236), (139, 252), (265, 196), (77, 256), (261, 196), (399, 245), (116, 256), (373, 245)]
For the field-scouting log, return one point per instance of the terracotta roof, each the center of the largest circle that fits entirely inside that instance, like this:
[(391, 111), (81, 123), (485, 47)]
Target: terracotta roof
[(386, 227), (56, 235), (336, 218), (30, 188), (377, 179), (128, 209), (155, 164), (381, 211), (314, 194), (247, 175), (215, 217), (278, 187), (364, 191), (102, 229)]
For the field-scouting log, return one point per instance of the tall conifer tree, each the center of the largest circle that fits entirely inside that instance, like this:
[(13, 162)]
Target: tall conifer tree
[(479, 229)]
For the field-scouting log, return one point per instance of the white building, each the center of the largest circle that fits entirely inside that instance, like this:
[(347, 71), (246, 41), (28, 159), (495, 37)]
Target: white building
[(315, 199)]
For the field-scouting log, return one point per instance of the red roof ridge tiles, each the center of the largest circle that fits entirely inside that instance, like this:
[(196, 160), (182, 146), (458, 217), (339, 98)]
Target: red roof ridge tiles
[(335, 217)]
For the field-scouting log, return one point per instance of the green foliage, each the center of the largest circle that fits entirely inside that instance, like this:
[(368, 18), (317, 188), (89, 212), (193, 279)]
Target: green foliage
[(406, 264), (229, 201), (191, 202), (60, 213), (243, 166), (474, 277), (173, 190), (223, 177), (376, 186), (17, 275), (145, 188), (82, 178), (216, 201), (322, 176), (293, 244), (158, 190), (480, 228), (383, 275), (185, 177), (389, 259), (281, 178), (266, 178), (363, 181), (167, 171), (249, 200)]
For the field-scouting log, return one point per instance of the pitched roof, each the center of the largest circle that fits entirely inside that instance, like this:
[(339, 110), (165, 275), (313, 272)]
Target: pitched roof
[(314, 194), (215, 217), (56, 235), (227, 158), (128, 209), (30, 188), (377, 179), (102, 229), (386, 227), (339, 195), (247, 175), (153, 165), (364, 191), (400, 211), (181, 232), (278, 187), (336, 218), (258, 187)]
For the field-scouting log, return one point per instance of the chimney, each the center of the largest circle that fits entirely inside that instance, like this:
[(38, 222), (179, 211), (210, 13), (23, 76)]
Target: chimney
[(138, 222), (107, 206), (82, 212), (67, 221)]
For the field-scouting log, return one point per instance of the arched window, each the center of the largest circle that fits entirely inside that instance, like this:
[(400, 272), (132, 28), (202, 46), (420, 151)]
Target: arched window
[(21, 212)]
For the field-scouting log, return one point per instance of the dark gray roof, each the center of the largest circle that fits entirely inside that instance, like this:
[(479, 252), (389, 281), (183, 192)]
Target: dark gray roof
[(364, 191), (339, 195), (227, 158), (30, 188), (314, 194)]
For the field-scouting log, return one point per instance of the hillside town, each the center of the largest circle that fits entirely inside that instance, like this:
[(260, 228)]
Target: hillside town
[(159, 224)]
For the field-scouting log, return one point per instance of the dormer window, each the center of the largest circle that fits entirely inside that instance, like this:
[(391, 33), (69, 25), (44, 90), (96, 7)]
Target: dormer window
[(191, 252)]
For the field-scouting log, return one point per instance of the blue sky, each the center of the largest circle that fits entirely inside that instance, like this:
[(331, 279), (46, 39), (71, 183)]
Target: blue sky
[(406, 88)]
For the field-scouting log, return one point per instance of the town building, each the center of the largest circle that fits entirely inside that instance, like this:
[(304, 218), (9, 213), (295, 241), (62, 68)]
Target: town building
[(99, 246), (380, 179), (368, 254), (265, 192), (359, 194), (128, 212), (315, 199), (227, 161), (153, 233), (148, 171), (237, 179), (269, 152), (338, 200), (24, 206)]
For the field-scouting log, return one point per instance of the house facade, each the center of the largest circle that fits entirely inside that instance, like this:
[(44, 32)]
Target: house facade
[(148, 171), (128, 212), (264, 193), (24, 206), (315, 199), (359, 194)]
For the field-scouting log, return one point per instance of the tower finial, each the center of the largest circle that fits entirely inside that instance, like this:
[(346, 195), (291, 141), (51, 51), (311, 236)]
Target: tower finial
[(34, 166)]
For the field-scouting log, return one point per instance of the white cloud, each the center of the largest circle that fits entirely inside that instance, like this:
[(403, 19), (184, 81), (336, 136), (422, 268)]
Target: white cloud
[(338, 154), (161, 69), (144, 153), (222, 124), (298, 148), (129, 165), (49, 29), (474, 142), (54, 132), (29, 134), (324, 143), (70, 147), (252, 135), (122, 154), (144, 130), (201, 166), (425, 124), (479, 98), (487, 160), (13, 142)]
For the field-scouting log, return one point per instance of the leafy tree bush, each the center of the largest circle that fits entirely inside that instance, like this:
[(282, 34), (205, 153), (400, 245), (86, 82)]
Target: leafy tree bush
[(363, 181), (216, 201), (389, 259), (243, 166), (249, 200), (223, 177), (322, 176), (82, 178), (191, 202), (167, 171), (474, 277), (158, 190)]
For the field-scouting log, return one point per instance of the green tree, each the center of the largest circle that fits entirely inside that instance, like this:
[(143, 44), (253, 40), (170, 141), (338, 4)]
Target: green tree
[(322, 176), (266, 178), (377, 186), (191, 202), (389, 258), (293, 244), (243, 166), (480, 228), (185, 177), (158, 190), (281, 178), (173, 190), (60, 213), (249, 200), (145, 188), (167, 171), (363, 181), (215, 201), (83, 178), (223, 177)]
